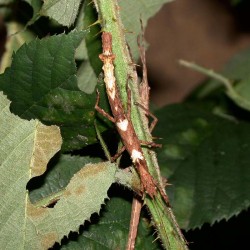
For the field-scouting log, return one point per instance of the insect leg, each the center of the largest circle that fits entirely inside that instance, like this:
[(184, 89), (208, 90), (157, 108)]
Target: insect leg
[(148, 113), (101, 111)]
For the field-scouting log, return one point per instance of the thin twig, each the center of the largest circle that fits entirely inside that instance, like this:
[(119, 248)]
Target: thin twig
[(134, 222)]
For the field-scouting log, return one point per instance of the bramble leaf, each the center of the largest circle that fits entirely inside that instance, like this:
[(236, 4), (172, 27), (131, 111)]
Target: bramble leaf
[(205, 158), (17, 36), (60, 170), (112, 227), (111, 230), (42, 83), (68, 10), (235, 78), (131, 13), (26, 148)]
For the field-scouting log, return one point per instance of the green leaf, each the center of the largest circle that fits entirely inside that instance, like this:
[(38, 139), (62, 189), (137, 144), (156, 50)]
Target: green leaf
[(235, 79), (17, 36), (93, 41), (35, 4), (42, 83), (237, 73), (83, 196), (111, 230), (60, 170), (206, 159), (25, 149), (32, 2), (131, 12), (81, 51), (86, 77), (6, 1), (113, 225), (63, 11)]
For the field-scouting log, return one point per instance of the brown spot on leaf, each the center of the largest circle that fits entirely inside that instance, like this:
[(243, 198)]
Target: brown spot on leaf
[(33, 211), (91, 170), (67, 193), (48, 240), (79, 190), (48, 141)]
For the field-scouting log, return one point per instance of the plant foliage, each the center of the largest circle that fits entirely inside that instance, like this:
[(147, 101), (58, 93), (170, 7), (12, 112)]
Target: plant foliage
[(47, 104)]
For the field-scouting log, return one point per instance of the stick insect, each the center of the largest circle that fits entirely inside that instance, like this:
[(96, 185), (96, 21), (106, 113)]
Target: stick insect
[(122, 119)]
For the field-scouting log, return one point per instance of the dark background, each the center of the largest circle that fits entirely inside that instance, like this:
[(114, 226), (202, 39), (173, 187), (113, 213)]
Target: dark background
[(207, 32)]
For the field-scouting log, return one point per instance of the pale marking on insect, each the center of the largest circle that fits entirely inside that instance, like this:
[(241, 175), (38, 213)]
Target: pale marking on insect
[(109, 79), (122, 124), (136, 155)]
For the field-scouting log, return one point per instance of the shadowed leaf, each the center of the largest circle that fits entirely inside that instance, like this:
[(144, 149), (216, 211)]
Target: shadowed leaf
[(205, 158)]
